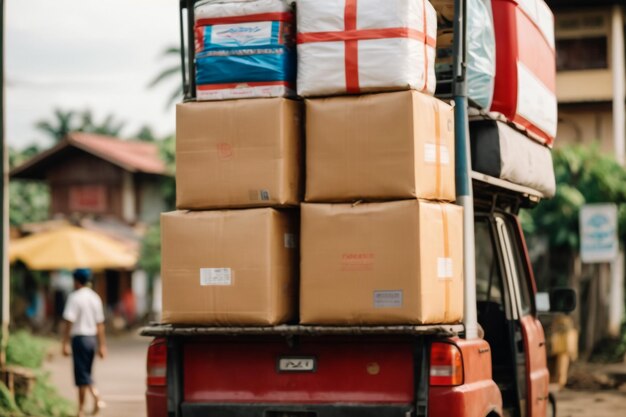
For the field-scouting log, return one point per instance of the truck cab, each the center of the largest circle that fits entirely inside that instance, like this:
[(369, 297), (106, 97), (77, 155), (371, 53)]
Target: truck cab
[(318, 371)]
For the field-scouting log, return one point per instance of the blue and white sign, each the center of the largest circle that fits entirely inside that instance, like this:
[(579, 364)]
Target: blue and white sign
[(598, 233)]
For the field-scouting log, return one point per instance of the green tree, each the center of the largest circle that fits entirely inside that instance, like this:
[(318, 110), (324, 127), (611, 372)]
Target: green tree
[(65, 121), (146, 134), (29, 201), (172, 70), (61, 124), (584, 175), (167, 148)]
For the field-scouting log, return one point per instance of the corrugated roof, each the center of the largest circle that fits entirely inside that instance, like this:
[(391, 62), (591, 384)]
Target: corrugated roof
[(132, 156)]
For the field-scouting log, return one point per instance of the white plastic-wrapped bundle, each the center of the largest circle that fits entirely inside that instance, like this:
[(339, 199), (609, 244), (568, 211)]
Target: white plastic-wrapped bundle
[(244, 49), (210, 9), (503, 152), (355, 46), (481, 50)]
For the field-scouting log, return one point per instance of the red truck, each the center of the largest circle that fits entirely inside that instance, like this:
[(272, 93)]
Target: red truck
[(435, 371), (494, 364)]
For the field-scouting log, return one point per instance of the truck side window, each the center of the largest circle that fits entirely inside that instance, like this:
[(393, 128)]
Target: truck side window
[(524, 281), (488, 280), (516, 272)]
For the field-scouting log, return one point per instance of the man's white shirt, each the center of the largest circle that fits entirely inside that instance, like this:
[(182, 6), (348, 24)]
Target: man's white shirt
[(84, 310)]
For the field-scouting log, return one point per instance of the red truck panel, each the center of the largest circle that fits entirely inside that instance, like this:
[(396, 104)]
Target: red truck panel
[(478, 396), (156, 402), (364, 371)]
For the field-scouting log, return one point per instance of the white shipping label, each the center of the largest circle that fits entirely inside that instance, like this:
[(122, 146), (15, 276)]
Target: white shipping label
[(430, 154), (387, 299), (445, 268), (264, 195), (290, 241), (242, 34), (218, 277)]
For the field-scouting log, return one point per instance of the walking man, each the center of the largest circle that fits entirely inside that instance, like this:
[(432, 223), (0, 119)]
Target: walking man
[(84, 329)]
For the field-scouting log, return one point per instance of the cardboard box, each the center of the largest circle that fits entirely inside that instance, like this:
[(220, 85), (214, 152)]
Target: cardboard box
[(234, 267), (239, 153), (382, 263), (388, 146)]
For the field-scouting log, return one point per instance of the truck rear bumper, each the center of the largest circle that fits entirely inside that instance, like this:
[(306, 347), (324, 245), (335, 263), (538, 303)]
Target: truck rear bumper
[(299, 410)]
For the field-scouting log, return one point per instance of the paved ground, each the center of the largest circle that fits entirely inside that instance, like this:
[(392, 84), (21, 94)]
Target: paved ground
[(572, 403), (595, 391), (120, 378)]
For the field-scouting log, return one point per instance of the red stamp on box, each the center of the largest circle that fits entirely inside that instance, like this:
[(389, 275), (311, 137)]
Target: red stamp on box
[(225, 151), (357, 261)]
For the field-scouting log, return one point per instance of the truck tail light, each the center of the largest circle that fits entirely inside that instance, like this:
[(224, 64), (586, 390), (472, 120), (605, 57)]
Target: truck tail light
[(157, 363), (446, 365)]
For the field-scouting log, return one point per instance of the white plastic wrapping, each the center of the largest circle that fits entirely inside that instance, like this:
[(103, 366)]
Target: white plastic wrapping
[(481, 49), (526, 162), (503, 152), (229, 8), (481, 53), (389, 35), (244, 49)]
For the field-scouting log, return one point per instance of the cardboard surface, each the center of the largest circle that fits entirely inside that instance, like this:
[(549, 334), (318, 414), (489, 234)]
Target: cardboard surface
[(235, 267), (379, 147), (238, 153), (382, 263)]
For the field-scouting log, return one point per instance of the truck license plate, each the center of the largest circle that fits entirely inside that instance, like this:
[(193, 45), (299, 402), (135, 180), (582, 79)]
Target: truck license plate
[(297, 364)]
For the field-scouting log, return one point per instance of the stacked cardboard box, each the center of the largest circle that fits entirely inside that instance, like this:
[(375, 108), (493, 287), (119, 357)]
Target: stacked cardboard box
[(236, 264), (381, 243), (230, 253)]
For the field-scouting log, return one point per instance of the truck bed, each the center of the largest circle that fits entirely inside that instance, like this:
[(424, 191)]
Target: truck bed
[(167, 330)]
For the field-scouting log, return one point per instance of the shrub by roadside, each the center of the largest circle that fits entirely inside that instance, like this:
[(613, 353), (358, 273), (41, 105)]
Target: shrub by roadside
[(43, 400)]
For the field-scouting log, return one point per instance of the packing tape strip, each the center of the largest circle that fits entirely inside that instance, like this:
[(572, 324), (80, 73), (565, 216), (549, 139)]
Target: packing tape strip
[(351, 49), (425, 47), (438, 174), (446, 255)]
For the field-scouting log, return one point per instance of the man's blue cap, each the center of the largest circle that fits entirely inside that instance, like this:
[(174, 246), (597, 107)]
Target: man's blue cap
[(82, 275)]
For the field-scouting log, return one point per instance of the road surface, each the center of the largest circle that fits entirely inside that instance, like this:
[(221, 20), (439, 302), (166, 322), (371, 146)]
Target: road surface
[(120, 378)]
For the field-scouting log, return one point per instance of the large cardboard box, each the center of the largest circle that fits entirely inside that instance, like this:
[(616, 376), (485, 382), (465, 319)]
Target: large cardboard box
[(234, 267), (382, 263), (238, 153), (379, 147)]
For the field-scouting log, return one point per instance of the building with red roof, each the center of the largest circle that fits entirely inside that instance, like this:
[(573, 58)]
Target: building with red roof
[(100, 176)]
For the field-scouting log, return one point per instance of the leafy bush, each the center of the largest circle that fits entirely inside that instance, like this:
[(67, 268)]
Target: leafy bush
[(8, 406), (44, 400), (26, 350), (584, 175)]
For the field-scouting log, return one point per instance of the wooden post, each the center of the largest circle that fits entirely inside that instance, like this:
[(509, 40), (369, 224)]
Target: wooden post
[(4, 203)]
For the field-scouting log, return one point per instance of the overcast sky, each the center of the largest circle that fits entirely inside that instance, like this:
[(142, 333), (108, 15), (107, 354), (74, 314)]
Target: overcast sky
[(79, 54)]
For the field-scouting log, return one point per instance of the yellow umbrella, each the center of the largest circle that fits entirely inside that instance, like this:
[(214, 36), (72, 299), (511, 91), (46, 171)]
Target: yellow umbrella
[(71, 247)]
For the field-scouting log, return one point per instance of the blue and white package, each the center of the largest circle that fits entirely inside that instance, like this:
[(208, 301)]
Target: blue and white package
[(244, 49)]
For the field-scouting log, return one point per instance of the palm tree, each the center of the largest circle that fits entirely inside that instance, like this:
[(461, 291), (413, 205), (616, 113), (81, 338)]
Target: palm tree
[(60, 126), (66, 121), (171, 54)]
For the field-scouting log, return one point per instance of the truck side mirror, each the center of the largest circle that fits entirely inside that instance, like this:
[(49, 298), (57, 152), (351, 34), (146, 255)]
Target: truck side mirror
[(559, 300)]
